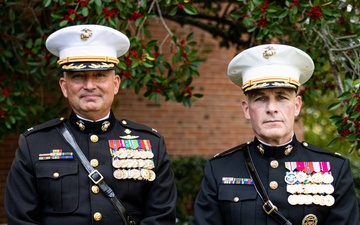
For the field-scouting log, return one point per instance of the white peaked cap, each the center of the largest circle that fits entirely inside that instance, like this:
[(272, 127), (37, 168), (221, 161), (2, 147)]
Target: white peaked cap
[(270, 66), (87, 47)]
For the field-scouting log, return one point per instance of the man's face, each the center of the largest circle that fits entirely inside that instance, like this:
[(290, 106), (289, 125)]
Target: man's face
[(272, 113), (90, 93)]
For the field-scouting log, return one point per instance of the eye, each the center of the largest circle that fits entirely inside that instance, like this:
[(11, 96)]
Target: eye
[(99, 75), (282, 97), (260, 98), (77, 76)]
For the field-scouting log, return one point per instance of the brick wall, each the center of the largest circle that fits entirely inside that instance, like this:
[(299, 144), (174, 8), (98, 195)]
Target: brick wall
[(213, 124)]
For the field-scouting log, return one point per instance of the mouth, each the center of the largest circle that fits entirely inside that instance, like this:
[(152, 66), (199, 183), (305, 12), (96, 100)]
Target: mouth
[(273, 121), (89, 96)]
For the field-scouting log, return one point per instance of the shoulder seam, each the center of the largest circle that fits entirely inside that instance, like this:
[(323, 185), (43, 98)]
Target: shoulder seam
[(39, 127), (320, 150), (138, 126), (230, 151)]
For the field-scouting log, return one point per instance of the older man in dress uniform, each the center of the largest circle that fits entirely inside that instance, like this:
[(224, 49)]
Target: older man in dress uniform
[(275, 179), (49, 185)]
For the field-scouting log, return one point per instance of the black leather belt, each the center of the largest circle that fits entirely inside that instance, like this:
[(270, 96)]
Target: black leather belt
[(268, 206), (96, 177)]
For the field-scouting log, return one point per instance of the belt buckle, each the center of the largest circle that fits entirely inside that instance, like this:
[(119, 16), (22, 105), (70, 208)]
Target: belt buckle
[(95, 179), (269, 204)]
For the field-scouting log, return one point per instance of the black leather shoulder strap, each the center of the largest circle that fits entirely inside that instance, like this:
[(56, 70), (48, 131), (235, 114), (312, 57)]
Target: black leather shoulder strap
[(268, 206), (95, 176)]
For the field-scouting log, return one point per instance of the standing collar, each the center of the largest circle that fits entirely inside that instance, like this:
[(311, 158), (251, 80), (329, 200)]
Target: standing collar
[(87, 126), (276, 151)]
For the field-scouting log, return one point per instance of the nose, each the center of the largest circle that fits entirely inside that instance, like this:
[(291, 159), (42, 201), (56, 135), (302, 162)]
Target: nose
[(272, 107), (89, 83)]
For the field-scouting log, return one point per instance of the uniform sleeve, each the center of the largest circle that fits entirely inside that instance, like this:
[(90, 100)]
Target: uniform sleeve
[(21, 196), (207, 209), (161, 200), (345, 210)]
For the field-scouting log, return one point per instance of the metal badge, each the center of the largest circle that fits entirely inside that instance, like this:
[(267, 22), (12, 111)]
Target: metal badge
[(261, 149), (105, 125), (268, 52), (310, 219), (85, 34), (80, 124), (288, 149)]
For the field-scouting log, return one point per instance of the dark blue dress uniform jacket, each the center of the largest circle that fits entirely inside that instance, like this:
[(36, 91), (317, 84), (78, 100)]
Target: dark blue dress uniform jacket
[(35, 196), (239, 204)]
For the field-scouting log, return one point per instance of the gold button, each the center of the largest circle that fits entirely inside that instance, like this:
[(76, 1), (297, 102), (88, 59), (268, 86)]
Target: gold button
[(97, 216), (305, 144), (124, 122), (56, 175), (95, 189), (273, 185), (236, 199), (274, 164), (94, 138), (94, 162)]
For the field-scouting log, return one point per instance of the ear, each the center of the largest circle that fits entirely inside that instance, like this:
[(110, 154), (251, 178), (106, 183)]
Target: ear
[(298, 104), (62, 83), (245, 107), (117, 81)]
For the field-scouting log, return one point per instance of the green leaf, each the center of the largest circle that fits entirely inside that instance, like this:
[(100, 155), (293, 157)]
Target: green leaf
[(152, 43), (272, 9), (7, 124), (251, 29), (333, 142), (345, 96), (63, 23), (235, 15), (56, 16), (98, 10), (283, 14), (327, 11), (190, 9), (134, 64), (355, 115), (173, 11), (38, 42), (140, 21), (334, 106), (12, 119), (46, 3), (247, 22), (98, 3), (190, 36), (351, 137), (12, 15), (336, 118), (356, 82), (84, 11), (148, 64)]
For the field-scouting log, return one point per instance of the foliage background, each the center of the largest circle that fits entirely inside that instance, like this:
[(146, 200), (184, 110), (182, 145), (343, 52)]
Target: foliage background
[(327, 31)]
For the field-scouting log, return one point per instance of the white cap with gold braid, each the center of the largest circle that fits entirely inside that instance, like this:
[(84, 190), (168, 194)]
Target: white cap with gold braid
[(87, 47), (270, 66)]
